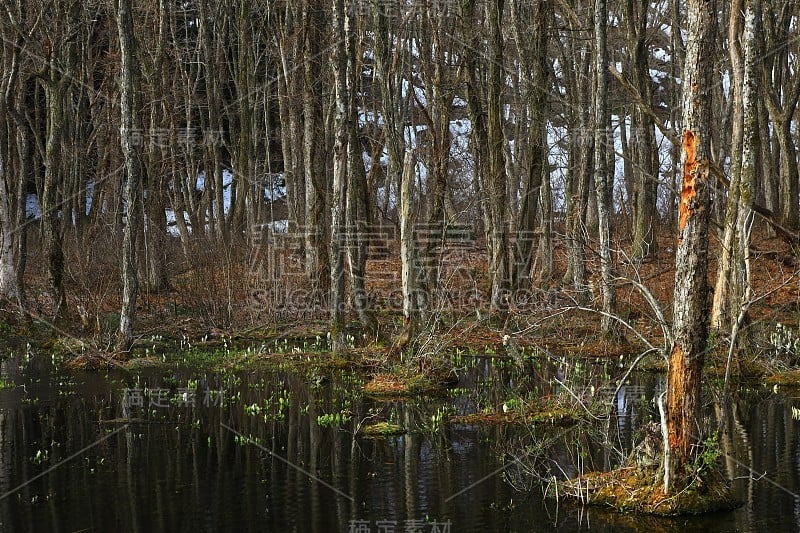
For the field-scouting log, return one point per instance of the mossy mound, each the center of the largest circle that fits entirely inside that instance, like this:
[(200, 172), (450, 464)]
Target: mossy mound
[(486, 419), (382, 429), (790, 378), (145, 362), (398, 384), (639, 490), (555, 417)]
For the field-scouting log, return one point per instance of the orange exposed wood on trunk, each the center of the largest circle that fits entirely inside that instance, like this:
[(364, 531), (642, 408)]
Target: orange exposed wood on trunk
[(689, 191), (678, 441)]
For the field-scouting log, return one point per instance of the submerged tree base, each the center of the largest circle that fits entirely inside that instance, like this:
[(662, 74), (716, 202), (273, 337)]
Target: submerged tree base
[(635, 489)]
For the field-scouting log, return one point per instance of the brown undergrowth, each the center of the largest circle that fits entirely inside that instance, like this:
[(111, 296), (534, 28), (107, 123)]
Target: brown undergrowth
[(208, 300)]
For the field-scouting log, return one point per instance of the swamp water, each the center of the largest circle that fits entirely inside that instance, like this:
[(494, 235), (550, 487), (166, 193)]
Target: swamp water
[(195, 450)]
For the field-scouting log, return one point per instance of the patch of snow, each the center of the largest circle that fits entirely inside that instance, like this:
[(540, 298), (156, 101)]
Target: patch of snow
[(32, 208), (172, 227), (278, 226), (370, 117), (89, 196), (657, 75), (422, 177), (661, 55), (380, 193), (419, 92)]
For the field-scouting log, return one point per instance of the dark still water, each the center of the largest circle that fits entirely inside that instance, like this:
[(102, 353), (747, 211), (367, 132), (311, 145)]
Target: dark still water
[(183, 450)]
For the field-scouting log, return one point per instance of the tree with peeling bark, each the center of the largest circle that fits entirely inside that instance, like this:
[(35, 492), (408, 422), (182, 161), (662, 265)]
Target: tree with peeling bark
[(690, 300)]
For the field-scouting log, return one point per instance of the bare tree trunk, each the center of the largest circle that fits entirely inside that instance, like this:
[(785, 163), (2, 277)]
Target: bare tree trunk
[(771, 179), (314, 153), (676, 67), (358, 212), (788, 164), (152, 268), (25, 165), (536, 89), (291, 108), (244, 159), (576, 59), (603, 182), (8, 274), (740, 296), (495, 169), (52, 223), (439, 87), (408, 259), (642, 140), (546, 239), (132, 173), (720, 312), (341, 27), (691, 287), (781, 91)]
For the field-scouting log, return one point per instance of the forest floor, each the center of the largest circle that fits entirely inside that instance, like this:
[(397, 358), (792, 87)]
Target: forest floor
[(239, 305)]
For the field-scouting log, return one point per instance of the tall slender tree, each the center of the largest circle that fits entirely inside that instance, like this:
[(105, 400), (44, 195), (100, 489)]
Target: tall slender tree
[(133, 193), (603, 181), (781, 92), (8, 275), (341, 27), (645, 153), (535, 75)]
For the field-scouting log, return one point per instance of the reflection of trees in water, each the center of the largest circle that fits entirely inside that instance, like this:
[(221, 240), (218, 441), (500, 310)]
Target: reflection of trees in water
[(7, 423), (620, 422), (167, 473)]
